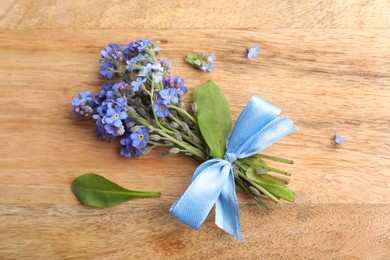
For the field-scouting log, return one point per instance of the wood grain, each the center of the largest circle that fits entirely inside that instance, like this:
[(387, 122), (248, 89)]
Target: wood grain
[(326, 80), (62, 231), (255, 14)]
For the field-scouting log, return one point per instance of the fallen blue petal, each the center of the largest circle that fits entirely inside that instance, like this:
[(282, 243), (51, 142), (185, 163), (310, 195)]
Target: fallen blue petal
[(338, 139)]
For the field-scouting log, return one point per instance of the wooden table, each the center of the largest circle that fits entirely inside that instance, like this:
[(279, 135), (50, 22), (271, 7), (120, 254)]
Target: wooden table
[(326, 63)]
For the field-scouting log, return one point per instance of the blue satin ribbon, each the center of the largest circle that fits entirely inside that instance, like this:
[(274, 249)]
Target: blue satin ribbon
[(256, 128)]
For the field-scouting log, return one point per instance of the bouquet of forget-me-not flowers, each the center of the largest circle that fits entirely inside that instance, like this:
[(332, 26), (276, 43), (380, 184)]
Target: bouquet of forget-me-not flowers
[(142, 106)]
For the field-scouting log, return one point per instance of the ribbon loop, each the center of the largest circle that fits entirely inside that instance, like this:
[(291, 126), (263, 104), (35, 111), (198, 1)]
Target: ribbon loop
[(213, 181)]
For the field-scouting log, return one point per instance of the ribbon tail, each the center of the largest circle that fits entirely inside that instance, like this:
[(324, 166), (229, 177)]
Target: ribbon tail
[(195, 204), (227, 215)]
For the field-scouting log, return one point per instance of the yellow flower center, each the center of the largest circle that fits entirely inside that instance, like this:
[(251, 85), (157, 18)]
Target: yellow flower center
[(161, 107), (141, 137), (116, 116), (252, 50), (82, 100), (167, 97)]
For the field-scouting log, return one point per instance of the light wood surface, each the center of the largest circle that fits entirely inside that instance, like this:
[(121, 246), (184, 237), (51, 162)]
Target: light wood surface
[(329, 70)]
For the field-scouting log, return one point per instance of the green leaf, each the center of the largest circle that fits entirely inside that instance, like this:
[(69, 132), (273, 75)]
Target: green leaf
[(253, 162), (273, 186), (214, 118), (96, 191)]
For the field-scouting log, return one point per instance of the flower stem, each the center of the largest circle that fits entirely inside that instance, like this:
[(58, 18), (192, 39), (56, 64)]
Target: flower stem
[(276, 159), (146, 194), (276, 170), (188, 138), (184, 113), (195, 151), (154, 112), (269, 195)]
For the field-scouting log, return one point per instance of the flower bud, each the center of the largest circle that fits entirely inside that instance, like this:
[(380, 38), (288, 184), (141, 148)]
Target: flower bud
[(121, 130), (143, 113), (131, 111), (130, 125), (135, 128), (174, 150), (118, 94), (146, 150), (185, 127), (88, 110), (155, 137), (194, 108), (173, 112), (174, 125), (196, 139), (178, 137), (261, 171), (255, 191)]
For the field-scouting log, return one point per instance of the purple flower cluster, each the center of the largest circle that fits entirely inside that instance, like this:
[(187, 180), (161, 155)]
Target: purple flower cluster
[(129, 107), (172, 93), (134, 143), (177, 83), (82, 104), (112, 118), (111, 57)]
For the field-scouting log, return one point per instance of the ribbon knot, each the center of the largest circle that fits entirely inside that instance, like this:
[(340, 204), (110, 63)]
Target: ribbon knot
[(256, 128), (230, 157)]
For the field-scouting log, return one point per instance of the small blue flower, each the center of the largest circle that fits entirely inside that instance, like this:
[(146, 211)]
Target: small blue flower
[(121, 103), (141, 57), (168, 96), (157, 67), (157, 77), (139, 82), (125, 151), (114, 116), (253, 51), (131, 65), (210, 67), (142, 44), (100, 131), (127, 148), (338, 139), (211, 58), (161, 109), (144, 71), (107, 70), (140, 138), (82, 99), (112, 129)]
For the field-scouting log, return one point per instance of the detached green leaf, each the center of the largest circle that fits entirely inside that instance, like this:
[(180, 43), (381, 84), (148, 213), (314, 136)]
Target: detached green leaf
[(214, 118), (272, 185), (96, 191)]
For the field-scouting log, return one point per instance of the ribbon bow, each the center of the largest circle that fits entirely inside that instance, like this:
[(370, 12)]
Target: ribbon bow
[(256, 128)]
